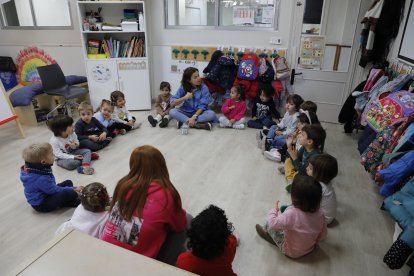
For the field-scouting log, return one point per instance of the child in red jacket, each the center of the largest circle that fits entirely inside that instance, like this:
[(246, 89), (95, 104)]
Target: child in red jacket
[(233, 109), (212, 245)]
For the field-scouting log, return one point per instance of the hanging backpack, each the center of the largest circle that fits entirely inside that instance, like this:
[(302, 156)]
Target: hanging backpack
[(248, 67), (281, 68)]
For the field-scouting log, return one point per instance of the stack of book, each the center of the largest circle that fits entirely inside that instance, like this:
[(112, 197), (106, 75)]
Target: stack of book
[(113, 48)]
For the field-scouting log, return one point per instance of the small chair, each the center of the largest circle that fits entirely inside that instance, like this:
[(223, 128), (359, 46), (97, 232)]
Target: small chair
[(54, 84)]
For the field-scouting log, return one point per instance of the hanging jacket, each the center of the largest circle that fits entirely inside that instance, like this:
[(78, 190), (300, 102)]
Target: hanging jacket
[(397, 173), (347, 114)]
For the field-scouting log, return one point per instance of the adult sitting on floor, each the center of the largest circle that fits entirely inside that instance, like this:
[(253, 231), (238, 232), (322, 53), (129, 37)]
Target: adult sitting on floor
[(193, 96)]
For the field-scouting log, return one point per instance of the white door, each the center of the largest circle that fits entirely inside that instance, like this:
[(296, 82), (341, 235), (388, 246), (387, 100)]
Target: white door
[(134, 82), (324, 41), (102, 79)]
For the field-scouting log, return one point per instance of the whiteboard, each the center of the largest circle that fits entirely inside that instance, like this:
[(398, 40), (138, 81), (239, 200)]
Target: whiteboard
[(406, 52), (5, 111)]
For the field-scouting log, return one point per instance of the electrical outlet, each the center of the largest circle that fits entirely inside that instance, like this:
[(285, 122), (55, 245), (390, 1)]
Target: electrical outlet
[(275, 40)]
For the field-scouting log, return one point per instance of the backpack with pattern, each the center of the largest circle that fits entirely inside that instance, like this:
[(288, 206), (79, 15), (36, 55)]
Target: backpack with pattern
[(248, 67)]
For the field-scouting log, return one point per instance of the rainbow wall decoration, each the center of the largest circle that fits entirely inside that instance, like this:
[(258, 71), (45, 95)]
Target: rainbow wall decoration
[(27, 62)]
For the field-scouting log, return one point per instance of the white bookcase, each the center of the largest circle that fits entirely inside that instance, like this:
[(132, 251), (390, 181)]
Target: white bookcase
[(127, 74)]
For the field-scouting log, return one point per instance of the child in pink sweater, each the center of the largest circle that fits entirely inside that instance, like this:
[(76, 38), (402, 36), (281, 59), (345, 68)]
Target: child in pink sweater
[(233, 109), (300, 227)]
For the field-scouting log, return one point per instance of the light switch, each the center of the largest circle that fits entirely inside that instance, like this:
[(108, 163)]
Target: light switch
[(275, 40)]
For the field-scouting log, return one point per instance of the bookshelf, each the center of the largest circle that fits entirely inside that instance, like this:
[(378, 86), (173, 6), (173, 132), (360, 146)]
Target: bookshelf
[(116, 59)]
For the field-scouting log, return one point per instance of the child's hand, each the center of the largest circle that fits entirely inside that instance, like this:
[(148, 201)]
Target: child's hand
[(131, 123), (78, 189), (279, 133), (102, 136), (78, 157), (73, 145), (191, 122), (188, 96), (233, 121), (254, 118), (277, 205), (93, 137), (232, 107), (289, 141)]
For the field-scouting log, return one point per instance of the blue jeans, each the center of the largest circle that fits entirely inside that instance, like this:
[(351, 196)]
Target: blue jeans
[(260, 123), (277, 141), (182, 116), (65, 198)]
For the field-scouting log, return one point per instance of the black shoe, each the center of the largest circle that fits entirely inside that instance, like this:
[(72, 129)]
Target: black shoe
[(206, 126), (179, 124), (164, 123), (264, 235), (152, 121)]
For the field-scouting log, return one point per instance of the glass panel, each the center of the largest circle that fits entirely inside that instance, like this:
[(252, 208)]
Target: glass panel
[(51, 12), (248, 13), (17, 13), (312, 17), (191, 12)]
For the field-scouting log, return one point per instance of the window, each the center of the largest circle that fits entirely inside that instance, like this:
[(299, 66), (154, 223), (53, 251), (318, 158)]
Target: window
[(222, 14), (35, 14)]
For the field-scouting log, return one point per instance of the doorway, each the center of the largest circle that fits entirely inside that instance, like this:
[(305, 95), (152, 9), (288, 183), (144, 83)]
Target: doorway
[(324, 46)]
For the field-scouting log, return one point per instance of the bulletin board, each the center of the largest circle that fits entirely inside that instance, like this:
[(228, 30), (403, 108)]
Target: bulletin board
[(406, 51), (312, 50)]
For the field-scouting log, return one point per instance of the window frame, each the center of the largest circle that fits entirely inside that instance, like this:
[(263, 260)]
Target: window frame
[(273, 28), (35, 27)]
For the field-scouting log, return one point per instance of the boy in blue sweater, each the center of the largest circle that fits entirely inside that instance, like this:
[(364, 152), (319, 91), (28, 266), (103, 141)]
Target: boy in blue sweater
[(40, 187)]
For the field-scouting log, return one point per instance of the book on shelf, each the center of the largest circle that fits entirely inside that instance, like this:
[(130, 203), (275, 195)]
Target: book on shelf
[(113, 48), (110, 27)]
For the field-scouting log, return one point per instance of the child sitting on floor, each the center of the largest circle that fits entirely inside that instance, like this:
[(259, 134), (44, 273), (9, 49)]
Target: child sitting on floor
[(40, 187), (276, 136), (212, 244), (90, 217), (104, 116), (312, 137), (233, 109), (304, 118), (162, 106), (300, 227), (324, 168), (66, 149), (121, 114), (263, 109), (91, 133)]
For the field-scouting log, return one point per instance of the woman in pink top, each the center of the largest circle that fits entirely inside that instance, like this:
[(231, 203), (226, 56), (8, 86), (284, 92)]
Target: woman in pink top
[(146, 207), (300, 227), (233, 109)]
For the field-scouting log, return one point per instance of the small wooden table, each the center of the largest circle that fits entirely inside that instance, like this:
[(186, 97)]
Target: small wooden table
[(75, 253)]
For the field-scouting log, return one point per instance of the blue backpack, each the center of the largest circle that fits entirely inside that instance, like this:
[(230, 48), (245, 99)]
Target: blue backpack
[(248, 67)]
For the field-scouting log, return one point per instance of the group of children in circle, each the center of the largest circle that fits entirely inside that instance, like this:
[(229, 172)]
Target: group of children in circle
[(298, 139)]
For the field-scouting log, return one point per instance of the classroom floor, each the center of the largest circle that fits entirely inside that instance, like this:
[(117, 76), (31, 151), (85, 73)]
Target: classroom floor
[(225, 168)]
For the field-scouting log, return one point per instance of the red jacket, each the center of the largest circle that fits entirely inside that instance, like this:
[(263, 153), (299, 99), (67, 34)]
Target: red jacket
[(237, 113), (217, 266), (146, 235)]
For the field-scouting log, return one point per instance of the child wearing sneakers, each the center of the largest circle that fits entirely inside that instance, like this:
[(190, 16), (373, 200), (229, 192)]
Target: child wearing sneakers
[(312, 137), (91, 133), (263, 109), (277, 134), (234, 109), (300, 227), (40, 187), (212, 244), (324, 168), (304, 118), (162, 106), (104, 116), (91, 215), (65, 146), (121, 115)]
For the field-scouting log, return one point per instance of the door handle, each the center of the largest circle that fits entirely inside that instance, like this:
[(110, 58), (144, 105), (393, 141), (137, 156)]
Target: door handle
[(292, 76), (298, 4)]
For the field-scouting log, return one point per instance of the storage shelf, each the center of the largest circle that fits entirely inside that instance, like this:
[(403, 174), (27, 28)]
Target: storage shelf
[(110, 32), (119, 58)]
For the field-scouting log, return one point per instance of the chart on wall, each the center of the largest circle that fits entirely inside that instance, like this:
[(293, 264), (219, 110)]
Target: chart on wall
[(312, 49)]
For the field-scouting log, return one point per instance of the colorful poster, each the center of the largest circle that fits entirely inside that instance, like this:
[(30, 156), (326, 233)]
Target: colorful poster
[(178, 66), (312, 49), (243, 16)]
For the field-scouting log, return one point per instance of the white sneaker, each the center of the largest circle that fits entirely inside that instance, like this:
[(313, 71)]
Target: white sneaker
[(240, 126), (222, 125), (272, 155), (136, 125)]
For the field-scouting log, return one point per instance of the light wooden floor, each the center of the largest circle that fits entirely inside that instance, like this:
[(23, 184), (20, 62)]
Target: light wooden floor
[(225, 168)]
